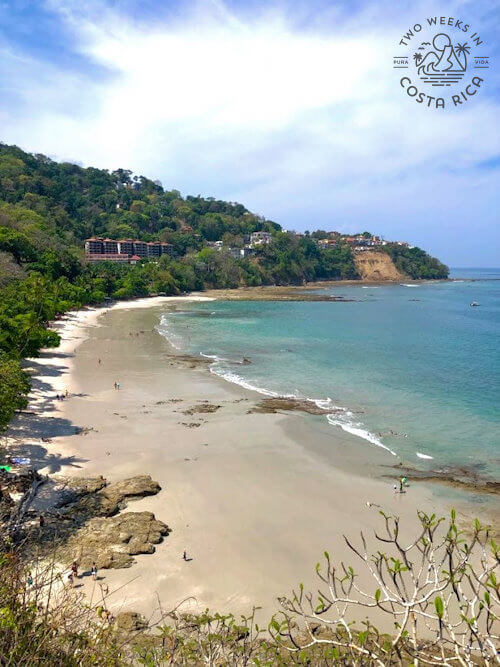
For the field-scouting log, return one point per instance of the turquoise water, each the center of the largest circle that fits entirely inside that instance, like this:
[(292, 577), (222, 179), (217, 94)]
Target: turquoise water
[(413, 369)]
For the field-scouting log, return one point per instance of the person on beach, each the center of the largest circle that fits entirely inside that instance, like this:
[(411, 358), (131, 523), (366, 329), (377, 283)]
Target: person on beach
[(93, 571), (115, 385), (71, 579), (99, 361), (118, 385), (74, 568), (41, 521), (29, 580)]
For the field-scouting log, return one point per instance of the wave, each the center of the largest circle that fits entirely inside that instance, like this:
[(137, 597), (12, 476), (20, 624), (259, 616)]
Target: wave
[(423, 456), (356, 429), (174, 340), (407, 285), (242, 382), (217, 359)]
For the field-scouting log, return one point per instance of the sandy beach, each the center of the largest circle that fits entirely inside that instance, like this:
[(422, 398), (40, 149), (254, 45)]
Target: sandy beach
[(253, 499)]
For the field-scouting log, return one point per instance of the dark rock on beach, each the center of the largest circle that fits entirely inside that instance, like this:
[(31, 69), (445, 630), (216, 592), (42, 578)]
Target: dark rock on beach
[(112, 542), (273, 405), (205, 408), (130, 621), (88, 525), (94, 497), (457, 476)]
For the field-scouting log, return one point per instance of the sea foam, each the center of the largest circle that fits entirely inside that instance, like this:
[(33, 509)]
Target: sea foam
[(356, 429)]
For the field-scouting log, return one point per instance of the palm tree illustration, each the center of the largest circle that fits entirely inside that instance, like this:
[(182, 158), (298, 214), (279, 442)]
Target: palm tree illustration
[(463, 49), (417, 57)]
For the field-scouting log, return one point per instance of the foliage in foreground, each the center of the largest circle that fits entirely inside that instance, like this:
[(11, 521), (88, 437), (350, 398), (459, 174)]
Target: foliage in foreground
[(42, 624), (439, 591)]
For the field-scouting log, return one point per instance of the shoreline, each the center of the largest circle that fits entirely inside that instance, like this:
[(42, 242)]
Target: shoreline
[(204, 462)]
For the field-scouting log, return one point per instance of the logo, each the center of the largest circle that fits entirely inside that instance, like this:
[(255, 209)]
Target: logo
[(445, 62)]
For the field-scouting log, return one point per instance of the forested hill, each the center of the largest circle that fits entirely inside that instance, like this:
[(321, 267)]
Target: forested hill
[(47, 209), (80, 202)]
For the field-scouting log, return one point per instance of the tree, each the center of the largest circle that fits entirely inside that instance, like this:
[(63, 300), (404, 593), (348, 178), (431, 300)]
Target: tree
[(14, 385), (17, 244), (439, 590)]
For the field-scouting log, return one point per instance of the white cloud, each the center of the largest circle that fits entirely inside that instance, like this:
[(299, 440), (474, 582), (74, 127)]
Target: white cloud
[(284, 118)]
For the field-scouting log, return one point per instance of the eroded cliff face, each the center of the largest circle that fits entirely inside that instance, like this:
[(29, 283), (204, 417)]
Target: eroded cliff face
[(375, 265)]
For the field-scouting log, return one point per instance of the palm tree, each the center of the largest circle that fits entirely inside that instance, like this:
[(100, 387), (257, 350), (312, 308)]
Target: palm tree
[(417, 57), (462, 49)]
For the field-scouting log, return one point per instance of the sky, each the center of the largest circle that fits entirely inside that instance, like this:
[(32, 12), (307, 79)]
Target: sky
[(291, 107)]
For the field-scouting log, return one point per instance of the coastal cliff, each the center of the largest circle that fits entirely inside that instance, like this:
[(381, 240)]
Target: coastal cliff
[(373, 265)]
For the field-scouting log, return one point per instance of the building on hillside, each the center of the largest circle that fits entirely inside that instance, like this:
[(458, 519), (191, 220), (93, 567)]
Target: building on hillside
[(215, 245), (110, 247), (141, 248), (326, 243), (154, 249), (94, 246), (236, 253), (98, 249), (107, 257), (126, 246), (260, 238), (167, 248)]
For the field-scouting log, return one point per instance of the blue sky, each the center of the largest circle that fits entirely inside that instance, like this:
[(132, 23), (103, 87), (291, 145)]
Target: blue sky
[(290, 107)]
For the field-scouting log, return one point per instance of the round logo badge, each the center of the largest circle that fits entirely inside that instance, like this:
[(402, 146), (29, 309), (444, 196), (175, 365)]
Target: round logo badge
[(445, 62)]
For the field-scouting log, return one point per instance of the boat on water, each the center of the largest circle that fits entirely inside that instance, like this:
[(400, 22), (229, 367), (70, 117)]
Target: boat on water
[(474, 304)]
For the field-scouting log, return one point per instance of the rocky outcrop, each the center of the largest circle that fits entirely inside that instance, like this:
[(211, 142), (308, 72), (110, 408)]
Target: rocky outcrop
[(130, 621), (94, 497), (204, 407), (112, 542), (375, 266), (273, 405), (89, 526)]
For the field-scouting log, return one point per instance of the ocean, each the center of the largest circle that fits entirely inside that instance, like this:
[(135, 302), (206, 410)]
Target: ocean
[(412, 368)]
